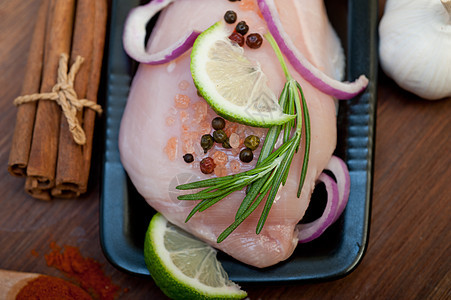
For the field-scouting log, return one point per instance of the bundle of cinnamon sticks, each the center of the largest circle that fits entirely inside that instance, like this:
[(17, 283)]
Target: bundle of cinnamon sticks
[(43, 148)]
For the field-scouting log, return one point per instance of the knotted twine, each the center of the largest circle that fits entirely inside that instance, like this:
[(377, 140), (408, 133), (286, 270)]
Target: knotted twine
[(65, 96)]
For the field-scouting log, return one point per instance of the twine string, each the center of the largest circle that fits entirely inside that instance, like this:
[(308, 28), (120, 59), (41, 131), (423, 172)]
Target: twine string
[(65, 96)]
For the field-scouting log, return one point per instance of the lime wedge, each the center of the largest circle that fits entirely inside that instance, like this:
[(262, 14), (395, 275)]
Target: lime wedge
[(235, 87), (183, 266)]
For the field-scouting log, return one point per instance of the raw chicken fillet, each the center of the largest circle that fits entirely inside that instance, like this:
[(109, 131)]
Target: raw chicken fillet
[(165, 118)]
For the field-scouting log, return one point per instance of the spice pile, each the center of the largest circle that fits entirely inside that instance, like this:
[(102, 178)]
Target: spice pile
[(207, 165), (47, 287), (85, 271)]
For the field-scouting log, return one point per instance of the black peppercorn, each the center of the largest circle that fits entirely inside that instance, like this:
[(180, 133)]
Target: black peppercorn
[(252, 142), (242, 28), (219, 136), (218, 123), (188, 158), (206, 142), (230, 16), (254, 40), (246, 155)]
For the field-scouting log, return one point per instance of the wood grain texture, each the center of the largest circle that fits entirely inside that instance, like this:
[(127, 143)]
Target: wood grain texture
[(409, 243)]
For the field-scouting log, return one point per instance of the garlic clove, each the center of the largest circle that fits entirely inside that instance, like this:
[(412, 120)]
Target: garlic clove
[(415, 38)]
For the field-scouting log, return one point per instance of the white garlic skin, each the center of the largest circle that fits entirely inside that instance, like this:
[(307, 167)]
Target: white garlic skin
[(415, 46)]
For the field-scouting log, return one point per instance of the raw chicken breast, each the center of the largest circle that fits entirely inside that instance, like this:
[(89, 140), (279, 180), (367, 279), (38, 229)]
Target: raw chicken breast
[(165, 118)]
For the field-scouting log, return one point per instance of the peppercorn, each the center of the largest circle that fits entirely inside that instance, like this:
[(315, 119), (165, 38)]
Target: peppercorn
[(230, 16), (188, 158), (246, 155), (220, 136), (206, 142), (254, 40), (207, 165), (242, 28), (237, 38), (218, 123), (226, 144), (252, 142)]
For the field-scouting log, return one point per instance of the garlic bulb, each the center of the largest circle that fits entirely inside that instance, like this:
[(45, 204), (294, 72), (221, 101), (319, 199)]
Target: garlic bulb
[(415, 46)]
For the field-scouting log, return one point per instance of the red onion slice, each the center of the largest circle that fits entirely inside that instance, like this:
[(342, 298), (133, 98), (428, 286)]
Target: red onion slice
[(310, 231), (135, 33), (320, 80), (337, 198), (340, 170)]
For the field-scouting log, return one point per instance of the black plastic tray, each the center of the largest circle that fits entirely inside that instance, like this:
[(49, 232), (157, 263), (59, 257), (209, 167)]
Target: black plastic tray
[(124, 215)]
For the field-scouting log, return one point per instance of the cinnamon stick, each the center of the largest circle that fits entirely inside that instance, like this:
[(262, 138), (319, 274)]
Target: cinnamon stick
[(70, 156), (26, 113), (93, 87), (43, 156)]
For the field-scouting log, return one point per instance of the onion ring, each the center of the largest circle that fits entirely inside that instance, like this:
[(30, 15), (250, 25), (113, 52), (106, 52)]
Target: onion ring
[(310, 231), (320, 80), (337, 198), (135, 33)]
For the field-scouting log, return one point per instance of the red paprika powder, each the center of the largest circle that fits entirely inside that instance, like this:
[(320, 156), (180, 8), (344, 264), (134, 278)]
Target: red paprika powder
[(86, 271), (51, 288)]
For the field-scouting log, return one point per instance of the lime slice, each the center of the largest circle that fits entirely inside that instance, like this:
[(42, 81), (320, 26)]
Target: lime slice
[(183, 266), (235, 87)]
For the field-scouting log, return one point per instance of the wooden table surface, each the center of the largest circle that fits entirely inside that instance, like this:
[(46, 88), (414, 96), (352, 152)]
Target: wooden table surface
[(408, 255)]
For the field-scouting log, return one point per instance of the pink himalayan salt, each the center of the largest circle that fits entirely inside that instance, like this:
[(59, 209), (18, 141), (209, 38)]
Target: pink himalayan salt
[(181, 101), (230, 128), (204, 127), (220, 158), (183, 85), (220, 171), (235, 166), (234, 140), (184, 116), (170, 121), (188, 141), (200, 111), (248, 5), (171, 148)]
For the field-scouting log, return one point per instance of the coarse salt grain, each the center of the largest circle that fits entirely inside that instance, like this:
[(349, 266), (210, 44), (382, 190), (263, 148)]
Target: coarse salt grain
[(220, 158), (181, 101), (234, 140), (235, 166), (220, 171), (171, 148), (170, 121), (184, 116), (204, 127), (200, 111), (183, 85)]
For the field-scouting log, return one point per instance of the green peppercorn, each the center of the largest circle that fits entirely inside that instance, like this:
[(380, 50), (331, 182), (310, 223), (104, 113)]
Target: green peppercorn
[(230, 16), (242, 28), (226, 144), (218, 123), (219, 136), (252, 142), (254, 40), (246, 155), (206, 142), (188, 158)]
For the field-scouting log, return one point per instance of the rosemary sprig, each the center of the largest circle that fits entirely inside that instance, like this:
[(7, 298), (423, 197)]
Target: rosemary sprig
[(272, 166)]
